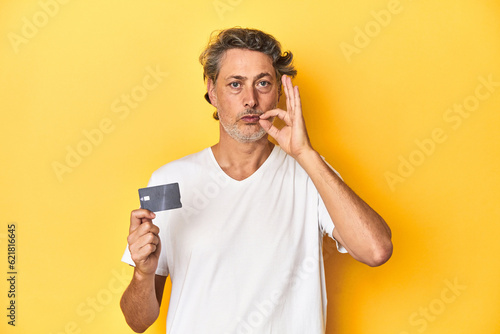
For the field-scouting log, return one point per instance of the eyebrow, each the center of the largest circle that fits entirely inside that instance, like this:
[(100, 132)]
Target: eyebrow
[(240, 77)]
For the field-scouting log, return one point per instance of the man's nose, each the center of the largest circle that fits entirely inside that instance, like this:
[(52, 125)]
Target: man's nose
[(250, 97)]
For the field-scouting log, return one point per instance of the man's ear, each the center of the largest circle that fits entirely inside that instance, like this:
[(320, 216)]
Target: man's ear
[(211, 92)]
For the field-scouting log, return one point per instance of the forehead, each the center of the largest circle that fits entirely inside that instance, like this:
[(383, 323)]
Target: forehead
[(246, 63)]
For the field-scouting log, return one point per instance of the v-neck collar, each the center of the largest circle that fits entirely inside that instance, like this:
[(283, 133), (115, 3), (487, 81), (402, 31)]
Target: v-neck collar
[(255, 174)]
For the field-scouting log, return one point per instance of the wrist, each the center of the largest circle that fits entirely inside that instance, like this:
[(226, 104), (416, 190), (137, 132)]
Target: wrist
[(307, 157), (140, 276)]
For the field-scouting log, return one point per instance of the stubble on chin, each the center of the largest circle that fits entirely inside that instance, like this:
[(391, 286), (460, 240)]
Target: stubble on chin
[(234, 132)]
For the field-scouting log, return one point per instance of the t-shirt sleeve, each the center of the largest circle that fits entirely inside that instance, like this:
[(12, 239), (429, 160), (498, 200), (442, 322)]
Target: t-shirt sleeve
[(325, 221), (162, 263), (162, 270)]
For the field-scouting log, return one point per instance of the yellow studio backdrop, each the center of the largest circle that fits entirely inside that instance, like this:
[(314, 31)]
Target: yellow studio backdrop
[(400, 96)]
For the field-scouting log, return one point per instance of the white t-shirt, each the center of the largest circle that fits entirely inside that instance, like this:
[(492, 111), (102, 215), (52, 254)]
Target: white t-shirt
[(243, 256)]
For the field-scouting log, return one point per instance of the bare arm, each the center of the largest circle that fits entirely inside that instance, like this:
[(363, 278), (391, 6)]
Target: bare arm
[(141, 300), (358, 227)]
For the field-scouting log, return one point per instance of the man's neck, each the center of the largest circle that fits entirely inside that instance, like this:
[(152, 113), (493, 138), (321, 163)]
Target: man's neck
[(240, 160)]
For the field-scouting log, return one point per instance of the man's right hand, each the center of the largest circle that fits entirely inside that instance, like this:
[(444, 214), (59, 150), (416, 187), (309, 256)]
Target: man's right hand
[(141, 300), (144, 242)]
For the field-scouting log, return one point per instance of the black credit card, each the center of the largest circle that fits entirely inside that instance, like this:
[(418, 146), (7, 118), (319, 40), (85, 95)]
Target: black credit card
[(160, 198)]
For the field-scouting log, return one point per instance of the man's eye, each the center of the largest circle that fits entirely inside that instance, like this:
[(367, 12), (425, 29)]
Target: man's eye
[(234, 84), (264, 83)]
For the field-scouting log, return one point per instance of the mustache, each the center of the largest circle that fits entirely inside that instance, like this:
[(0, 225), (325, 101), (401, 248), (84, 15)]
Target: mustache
[(250, 111)]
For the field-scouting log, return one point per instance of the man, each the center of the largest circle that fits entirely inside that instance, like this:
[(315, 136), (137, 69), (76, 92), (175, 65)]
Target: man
[(245, 252)]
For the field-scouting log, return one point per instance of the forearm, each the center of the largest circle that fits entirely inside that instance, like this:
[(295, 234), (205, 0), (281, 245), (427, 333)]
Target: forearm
[(363, 232), (139, 303)]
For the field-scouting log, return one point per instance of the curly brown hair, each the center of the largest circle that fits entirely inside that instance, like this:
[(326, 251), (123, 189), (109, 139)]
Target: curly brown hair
[(243, 38)]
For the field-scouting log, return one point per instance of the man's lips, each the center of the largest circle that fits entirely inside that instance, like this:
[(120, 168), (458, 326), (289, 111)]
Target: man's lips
[(251, 118)]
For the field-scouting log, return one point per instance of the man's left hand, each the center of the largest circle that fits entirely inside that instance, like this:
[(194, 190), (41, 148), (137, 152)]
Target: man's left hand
[(292, 138)]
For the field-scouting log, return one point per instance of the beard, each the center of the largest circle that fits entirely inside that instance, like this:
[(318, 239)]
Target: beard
[(234, 132)]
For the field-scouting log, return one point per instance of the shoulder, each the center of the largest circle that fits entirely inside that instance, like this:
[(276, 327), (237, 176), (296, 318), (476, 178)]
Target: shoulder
[(289, 162), (183, 166), (283, 160)]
